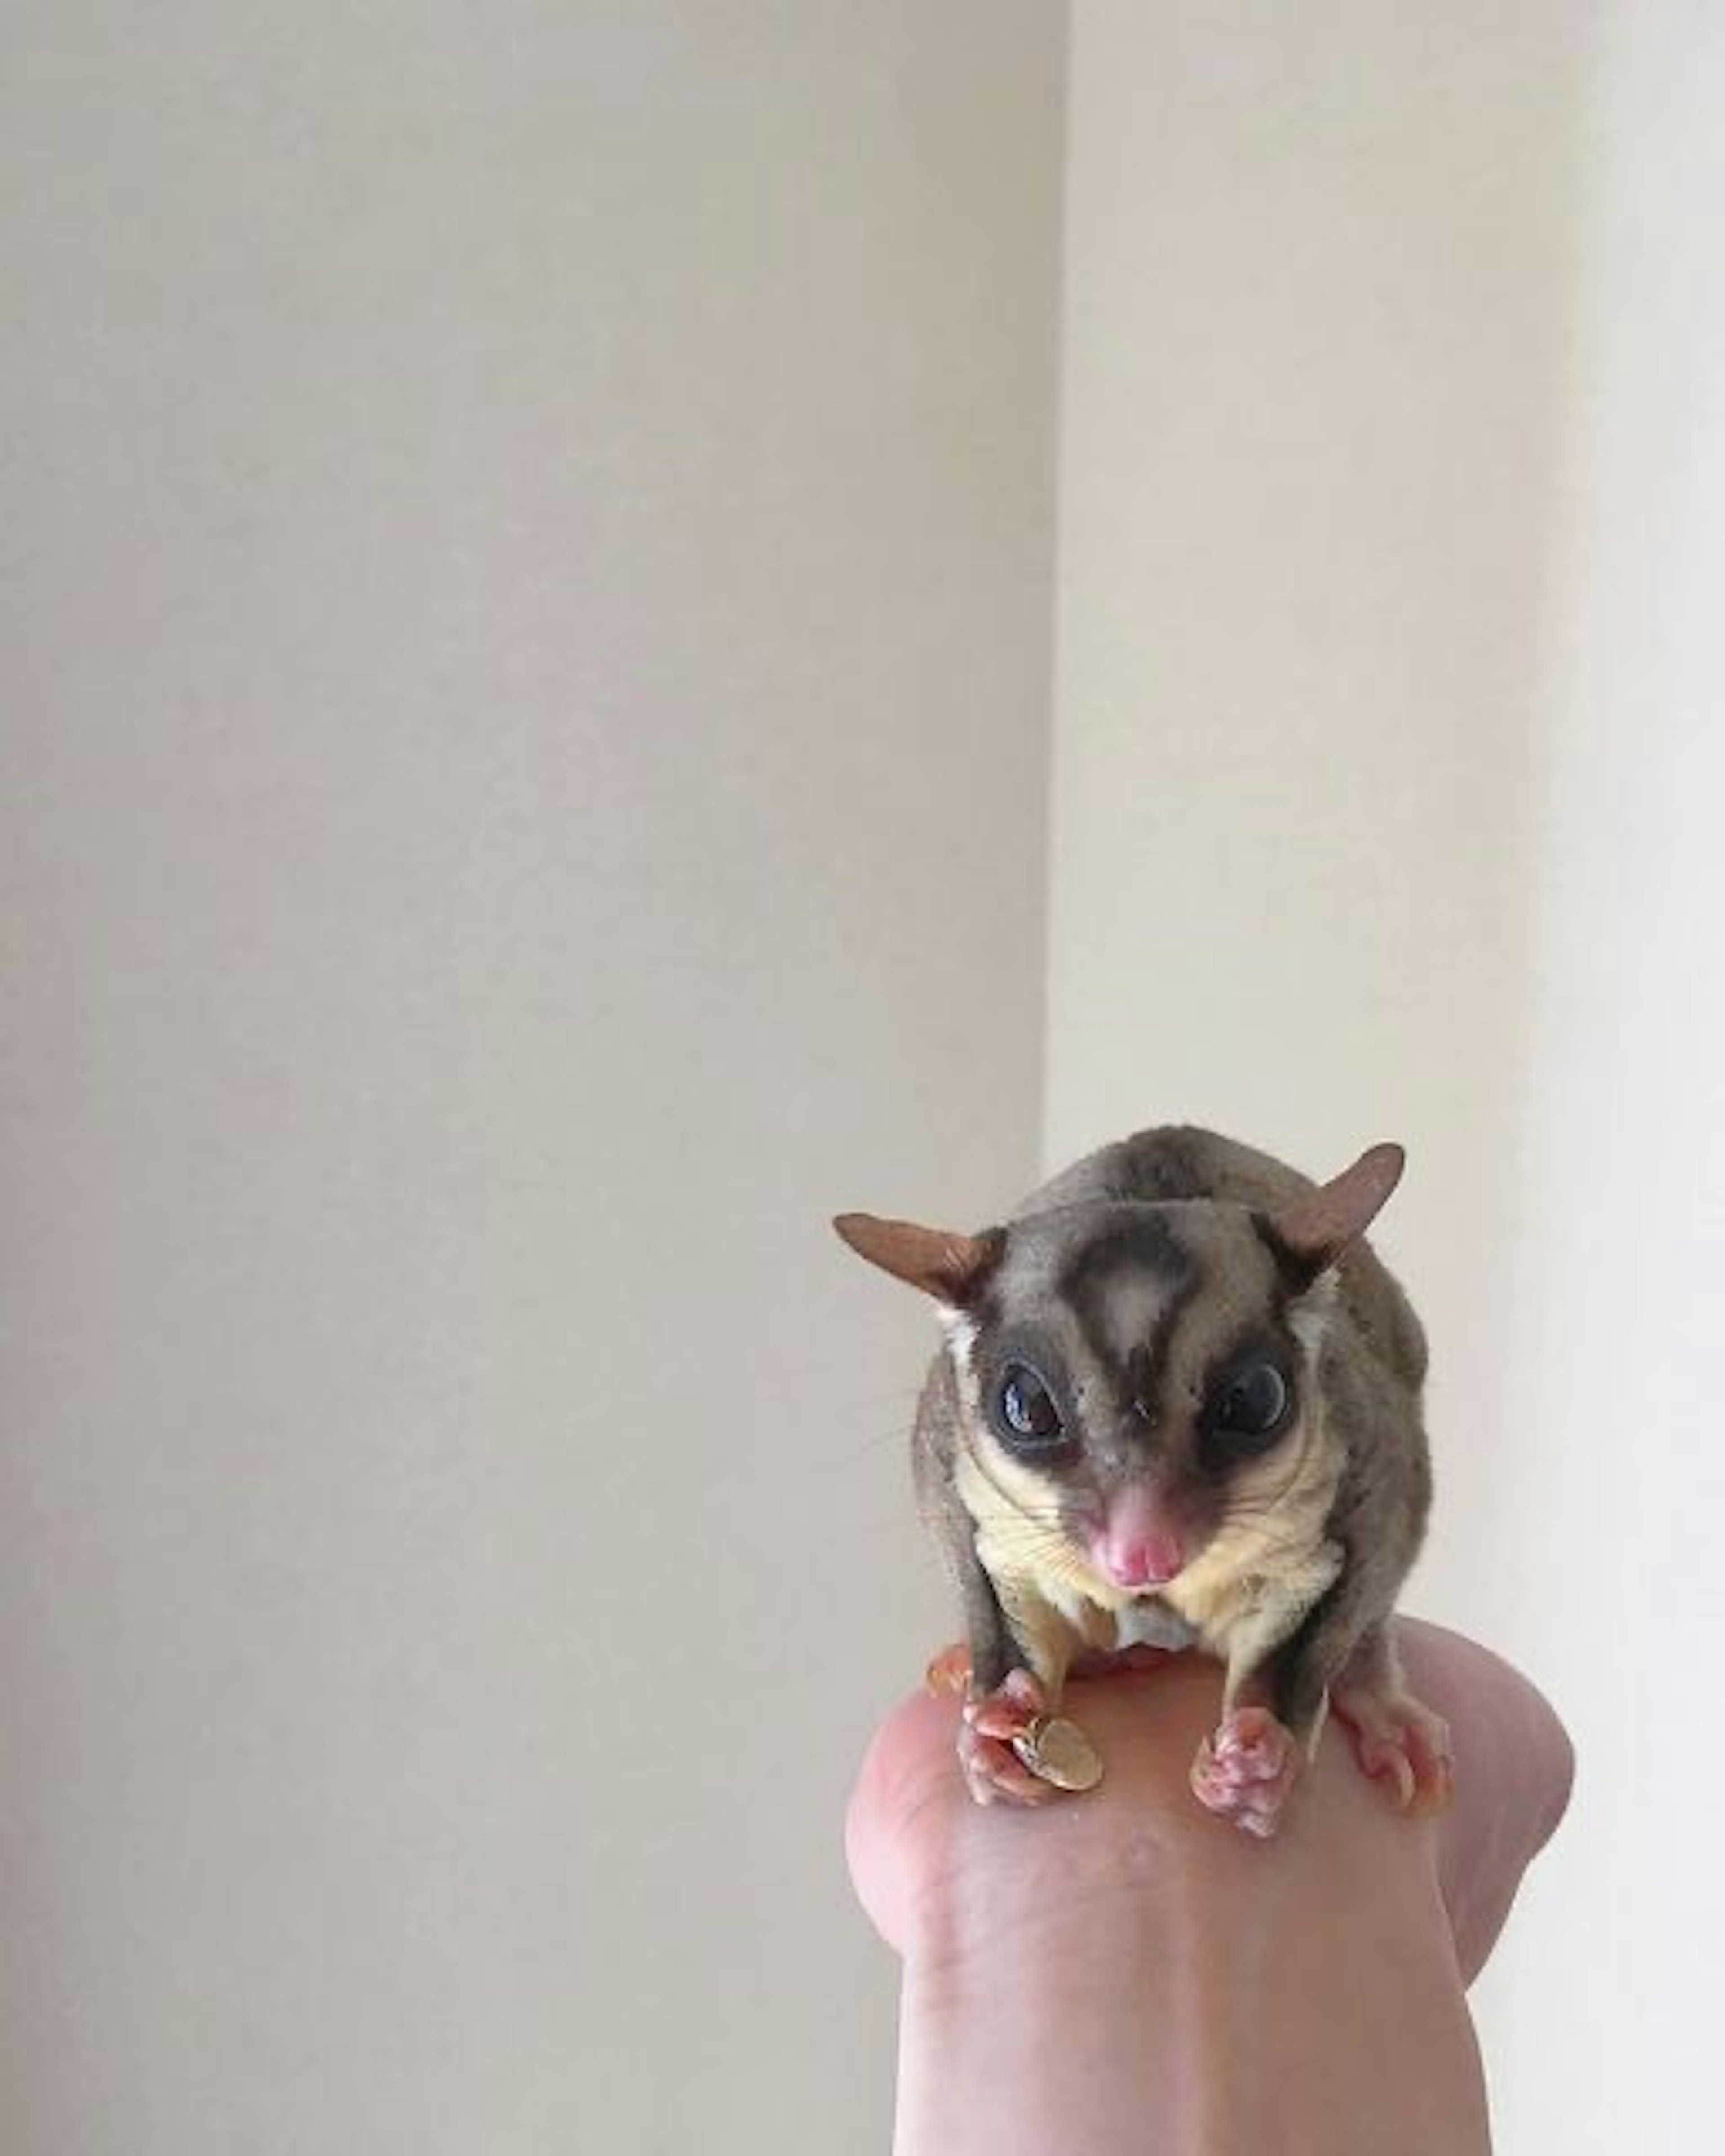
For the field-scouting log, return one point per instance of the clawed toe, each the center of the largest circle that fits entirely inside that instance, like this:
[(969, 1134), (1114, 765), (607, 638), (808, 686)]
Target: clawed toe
[(1401, 1745), (1246, 1769), (950, 1671), (994, 1774)]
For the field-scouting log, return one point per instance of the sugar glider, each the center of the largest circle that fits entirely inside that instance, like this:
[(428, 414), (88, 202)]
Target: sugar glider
[(1177, 1403)]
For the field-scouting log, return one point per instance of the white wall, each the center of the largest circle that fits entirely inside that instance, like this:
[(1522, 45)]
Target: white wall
[(1608, 2004), (1387, 759), (1320, 301), (528, 546)]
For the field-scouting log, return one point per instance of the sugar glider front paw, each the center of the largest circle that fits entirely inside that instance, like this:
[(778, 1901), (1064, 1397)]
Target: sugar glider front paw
[(1401, 1745), (1245, 1769), (993, 1772)]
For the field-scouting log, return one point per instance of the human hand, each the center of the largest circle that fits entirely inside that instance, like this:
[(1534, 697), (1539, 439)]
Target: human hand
[(1131, 1911)]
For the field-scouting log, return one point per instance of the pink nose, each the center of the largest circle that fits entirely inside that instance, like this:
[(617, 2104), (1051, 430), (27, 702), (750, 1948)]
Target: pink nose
[(1140, 1560)]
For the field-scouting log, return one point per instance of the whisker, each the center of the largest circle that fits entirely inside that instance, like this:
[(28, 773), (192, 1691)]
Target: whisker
[(1050, 1526)]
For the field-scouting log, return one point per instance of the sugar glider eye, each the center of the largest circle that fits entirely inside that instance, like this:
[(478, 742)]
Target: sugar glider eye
[(1024, 1412), (1249, 1408)]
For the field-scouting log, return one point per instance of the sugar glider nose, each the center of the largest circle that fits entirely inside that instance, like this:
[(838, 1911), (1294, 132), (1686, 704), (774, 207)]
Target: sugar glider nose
[(1139, 1546), (1150, 1563)]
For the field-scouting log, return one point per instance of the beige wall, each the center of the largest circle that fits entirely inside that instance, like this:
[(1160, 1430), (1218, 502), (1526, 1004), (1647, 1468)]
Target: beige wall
[(528, 543), (1387, 773)]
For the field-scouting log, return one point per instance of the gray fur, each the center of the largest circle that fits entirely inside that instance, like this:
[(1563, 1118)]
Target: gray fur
[(1135, 1272)]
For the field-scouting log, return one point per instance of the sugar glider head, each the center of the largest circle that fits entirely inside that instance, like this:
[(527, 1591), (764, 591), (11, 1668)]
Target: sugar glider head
[(1134, 1376)]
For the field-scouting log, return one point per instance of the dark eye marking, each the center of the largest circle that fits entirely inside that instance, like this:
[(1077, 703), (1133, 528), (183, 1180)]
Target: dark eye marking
[(1025, 1418), (1249, 1407)]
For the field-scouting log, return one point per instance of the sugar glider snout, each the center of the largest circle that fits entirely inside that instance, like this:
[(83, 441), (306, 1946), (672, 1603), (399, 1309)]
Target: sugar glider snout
[(1139, 1545)]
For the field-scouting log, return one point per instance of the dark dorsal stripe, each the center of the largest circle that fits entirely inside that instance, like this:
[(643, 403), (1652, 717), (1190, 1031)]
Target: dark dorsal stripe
[(1145, 1244)]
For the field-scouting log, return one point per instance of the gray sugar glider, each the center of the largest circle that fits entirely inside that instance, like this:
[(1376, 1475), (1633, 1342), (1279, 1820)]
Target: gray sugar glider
[(1177, 1403)]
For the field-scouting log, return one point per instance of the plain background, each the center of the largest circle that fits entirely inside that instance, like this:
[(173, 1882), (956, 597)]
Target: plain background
[(526, 679), (624, 626), (1388, 759)]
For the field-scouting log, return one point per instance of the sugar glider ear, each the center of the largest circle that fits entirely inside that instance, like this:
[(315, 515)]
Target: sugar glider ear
[(1313, 1231), (950, 1267)]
